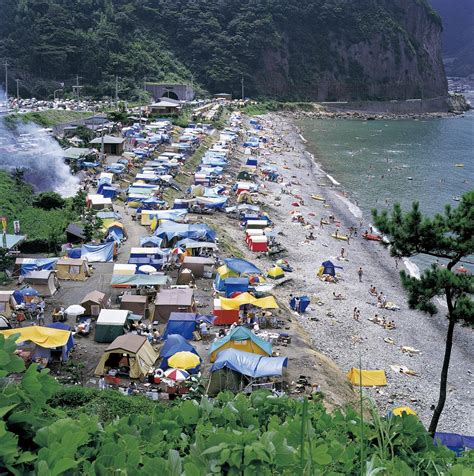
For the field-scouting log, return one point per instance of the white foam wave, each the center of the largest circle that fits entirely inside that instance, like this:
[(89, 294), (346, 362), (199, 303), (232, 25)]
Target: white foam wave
[(412, 268), (332, 179), (352, 207)]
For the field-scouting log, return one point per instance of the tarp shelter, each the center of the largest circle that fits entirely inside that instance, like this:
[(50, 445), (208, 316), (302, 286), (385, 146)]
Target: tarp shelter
[(172, 232), (110, 324), (44, 337), (234, 369), (327, 267), (200, 267), (137, 280), (93, 303), (455, 442), (103, 253), (7, 303), (73, 269), (130, 351), (173, 300), (367, 378), (267, 302), (45, 282), (173, 344), (135, 303), (241, 266), (276, 273), (116, 227), (24, 266), (182, 323), (241, 338)]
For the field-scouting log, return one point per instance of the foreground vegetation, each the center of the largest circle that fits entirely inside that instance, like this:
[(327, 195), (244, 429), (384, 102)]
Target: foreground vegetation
[(48, 118), (51, 430)]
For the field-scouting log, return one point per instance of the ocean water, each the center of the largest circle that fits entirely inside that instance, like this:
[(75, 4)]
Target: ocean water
[(386, 161)]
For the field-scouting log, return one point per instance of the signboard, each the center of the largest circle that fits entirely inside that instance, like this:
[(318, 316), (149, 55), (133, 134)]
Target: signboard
[(3, 221), (16, 227)]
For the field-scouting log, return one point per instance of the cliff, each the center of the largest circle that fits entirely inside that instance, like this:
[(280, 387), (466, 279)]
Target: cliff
[(292, 49)]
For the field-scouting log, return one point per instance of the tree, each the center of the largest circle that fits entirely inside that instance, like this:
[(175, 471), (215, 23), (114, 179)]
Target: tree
[(48, 200), (449, 237), (5, 260), (18, 175)]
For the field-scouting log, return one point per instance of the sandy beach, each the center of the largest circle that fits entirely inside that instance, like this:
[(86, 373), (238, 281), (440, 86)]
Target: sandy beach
[(329, 322)]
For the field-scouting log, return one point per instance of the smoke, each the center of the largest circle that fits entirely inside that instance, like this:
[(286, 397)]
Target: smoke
[(30, 148)]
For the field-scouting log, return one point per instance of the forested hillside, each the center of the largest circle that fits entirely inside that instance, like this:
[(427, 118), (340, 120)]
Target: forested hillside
[(293, 49)]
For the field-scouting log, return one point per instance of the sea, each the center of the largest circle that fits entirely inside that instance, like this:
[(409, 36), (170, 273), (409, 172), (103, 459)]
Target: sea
[(398, 160)]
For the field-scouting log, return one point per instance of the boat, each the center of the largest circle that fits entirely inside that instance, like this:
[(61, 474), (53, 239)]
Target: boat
[(410, 178), (457, 199), (459, 165), (371, 237), (318, 197), (340, 237)]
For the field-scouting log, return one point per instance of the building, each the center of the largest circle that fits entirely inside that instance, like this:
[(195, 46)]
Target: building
[(178, 92), (166, 106), (112, 145), (225, 96)]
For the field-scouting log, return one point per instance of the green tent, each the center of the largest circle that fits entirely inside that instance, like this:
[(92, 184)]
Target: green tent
[(111, 324)]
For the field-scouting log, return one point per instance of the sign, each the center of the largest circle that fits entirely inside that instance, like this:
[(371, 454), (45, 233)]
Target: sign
[(16, 227), (3, 221)]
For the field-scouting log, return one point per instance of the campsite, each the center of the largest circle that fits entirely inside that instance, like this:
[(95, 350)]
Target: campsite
[(210, 269)]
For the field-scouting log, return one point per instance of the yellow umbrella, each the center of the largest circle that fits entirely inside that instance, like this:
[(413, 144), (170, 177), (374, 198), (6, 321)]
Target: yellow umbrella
[(184, 360)]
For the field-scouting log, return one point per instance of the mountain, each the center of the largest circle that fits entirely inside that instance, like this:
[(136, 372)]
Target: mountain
[(292, 49), (458, 35)]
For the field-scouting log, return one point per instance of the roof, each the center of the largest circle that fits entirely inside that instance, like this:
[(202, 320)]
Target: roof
[(76, 152), (108, 140), (43, 336), (112, 317), (127, 280), (197, 260), (10, 240), (38, 275), (183, 316), (5, 296), (94, 296), (179, 297), (166, 102), (128, 342), (76, 230), (71, 261), (134, 298)]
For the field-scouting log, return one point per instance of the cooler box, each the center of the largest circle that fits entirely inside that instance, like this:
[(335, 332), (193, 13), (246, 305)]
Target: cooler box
[(249, 234)]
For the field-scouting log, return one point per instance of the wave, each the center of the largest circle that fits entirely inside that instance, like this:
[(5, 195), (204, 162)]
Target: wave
[(352, 207), (412, 268), (332, 179)]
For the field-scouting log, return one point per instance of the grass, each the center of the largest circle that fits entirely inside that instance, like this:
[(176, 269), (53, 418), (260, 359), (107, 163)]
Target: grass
[(259, 108), (48, 118)]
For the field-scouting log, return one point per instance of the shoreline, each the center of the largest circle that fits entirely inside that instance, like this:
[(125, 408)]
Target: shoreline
[(329, 322)]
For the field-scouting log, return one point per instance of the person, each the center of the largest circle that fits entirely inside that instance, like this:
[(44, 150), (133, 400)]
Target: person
[(373, 290), (39, 317), (336, 233), (354, 314), (338, 297), (342, 252), (156, 335), (310, 236), (102, 384), (298, 305), (360, 273), (203, 329), (256, 327), (321, 223), (222, 332)]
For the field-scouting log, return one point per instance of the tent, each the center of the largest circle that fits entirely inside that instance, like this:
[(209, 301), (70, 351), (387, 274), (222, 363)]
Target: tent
[(45, 282), (327, 267), (93, 303), (235, 285), (73, 269), (234, 369), (116, 227), (200, 267), (136, 304), (26, 265), (129, 350), (172, 232), (241, 266), (103, 253), (173, 300), (182, 323), (110, 324), (275, 273), (222, 273), (7, 303), (136, 280), (455, 442), (241, 338), (48, 338), (173, 344), (367, 378), (304, 303), (150, 242)]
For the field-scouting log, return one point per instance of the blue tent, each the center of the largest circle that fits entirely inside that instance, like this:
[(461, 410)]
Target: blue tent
[(330, 268), (70, 343), (241, 266), (304, 303), (114, 236), (182, 323), (150, 242), (233, 285), (174, 343), (103, 253), (252, 365), (455, 442), (108, 192)]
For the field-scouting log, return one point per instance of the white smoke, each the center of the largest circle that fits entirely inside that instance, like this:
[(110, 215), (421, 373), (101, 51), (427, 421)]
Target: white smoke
[(30, 148)]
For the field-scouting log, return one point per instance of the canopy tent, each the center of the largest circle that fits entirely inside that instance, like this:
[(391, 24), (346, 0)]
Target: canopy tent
[(367, 378), (241, 338), (327, 267), (103, 253), (267, 302), (174, 344), (138, 352), (181, 323)]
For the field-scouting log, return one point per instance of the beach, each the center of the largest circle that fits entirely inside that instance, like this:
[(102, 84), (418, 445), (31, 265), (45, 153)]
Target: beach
[(329, 322)]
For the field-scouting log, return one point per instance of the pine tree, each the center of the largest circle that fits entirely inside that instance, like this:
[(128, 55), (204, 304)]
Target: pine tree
[(450, 238)]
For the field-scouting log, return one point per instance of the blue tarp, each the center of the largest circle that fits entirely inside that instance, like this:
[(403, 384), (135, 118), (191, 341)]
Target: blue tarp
[(32, 264), (173, 344), (70, 343), (103, 253), (241, 266), (455, 442), (182, 323), (304, 303), (200, 232), (233, 285), (238, 334), (107, 191), (74, 253), (114, 237), (252, 365), (150, 241), (330, 268)]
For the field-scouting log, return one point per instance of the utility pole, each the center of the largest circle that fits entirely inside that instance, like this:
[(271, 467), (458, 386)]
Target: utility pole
[(243, 88), (144, 84), (17, 89), (116, 92), (6, 83)]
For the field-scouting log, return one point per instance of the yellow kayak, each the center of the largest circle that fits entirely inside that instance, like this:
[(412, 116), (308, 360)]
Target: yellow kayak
[(459, 165), (318, 197), (340, 237)]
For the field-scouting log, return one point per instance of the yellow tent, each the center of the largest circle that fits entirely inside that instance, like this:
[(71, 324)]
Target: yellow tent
[(133, 204), (135, 350), (42, 336), (368, 378), (224, 272), (275, 273), (73, 269)]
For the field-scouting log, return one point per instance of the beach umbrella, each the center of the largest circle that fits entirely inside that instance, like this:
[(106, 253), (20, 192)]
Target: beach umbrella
[(177, 251), (147, 269), (462, 269), (295, 204), (184, 360), (178, 375), (256, 279), (75, 310)]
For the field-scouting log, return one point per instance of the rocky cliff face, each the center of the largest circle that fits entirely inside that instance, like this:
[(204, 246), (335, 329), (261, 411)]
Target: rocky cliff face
[(396, 57)]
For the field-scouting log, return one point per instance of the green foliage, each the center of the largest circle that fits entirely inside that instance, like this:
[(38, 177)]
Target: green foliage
[(48, 118), (48, 200)]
